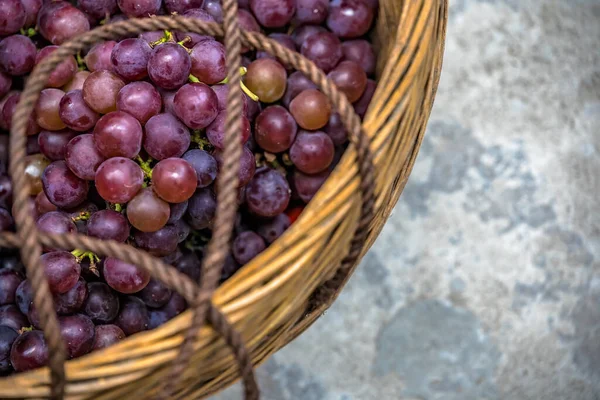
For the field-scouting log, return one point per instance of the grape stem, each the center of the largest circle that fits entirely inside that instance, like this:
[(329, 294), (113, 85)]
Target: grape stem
[(81, 255), (81, 62), (25, 329), (145, 165), (83, 216), (193, 79), (115, 207), (243, 71), (29, 32), (202, 142), (167, 38)]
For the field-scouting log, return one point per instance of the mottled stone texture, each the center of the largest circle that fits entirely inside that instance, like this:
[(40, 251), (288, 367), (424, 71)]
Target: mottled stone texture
[(485, 283)]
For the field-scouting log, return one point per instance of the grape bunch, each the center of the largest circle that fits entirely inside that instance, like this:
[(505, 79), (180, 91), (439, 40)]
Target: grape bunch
[(126, 141)]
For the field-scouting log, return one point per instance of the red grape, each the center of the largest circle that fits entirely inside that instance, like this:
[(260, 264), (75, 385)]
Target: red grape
[(47, 109), (271, 230), (296, 84), (75, 113), (190, 39), (302, 33), (100, 91), (181, 6), (222, 91), (77, 332), (208, 62), (336, 130), (12, 16), (54, 144), (55, 222), (17, 55), (118, 134), (139, 8), (169, 66), (77, 82), (63, 73), (361, 52), (98, 58), (35, 166), (107, 335), (196, 105), (311, 11), (63, 188), (32, 7), (129, 59), (147, 212), (29, 351), (349, 18), (306, 186), (216, 131), (312, 152), (267, 79), (275, 129), (98, 9), (119, 179), (123, 277), (166, 137), (82, 157), (324, 49), (361, 106), (268, 193), (108, 225), (102, 304), (62, 270), (8, 110), (42, 204), (174, 180), (248, 23), (59, 21), (350, 79), (284, 40), (311, 109), (139, 99), (247, 165), (273, 13)]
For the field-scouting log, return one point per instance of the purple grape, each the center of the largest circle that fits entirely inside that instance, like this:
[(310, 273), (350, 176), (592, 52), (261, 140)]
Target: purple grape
[(77, 332), (157, 318), (302, 33), (216, 130), (174, 257), (98, 9), (123, 277), (12, 16), (9, 281), (43, 205), (5, 191), (53, 144), (336, 130), (311, 11), (312, 152), (306, 186), (181, 6), (24, 297), (100, 91), (247, 165), (178, 210), (6, 220), (361, 106), (8, 110), (13, 318), (118, 134), (102, 304), (63, 73), (155, 294), (296, 84), (196, 105), (72, 301), (204, 164), (59, 21), (361, 52), (29, 351), (85, 209), (230, 268), (151, 37), (268, 193), (275, 129), (108, 225), (7, 338), (284, 40), (324, 49), (139, 8), (201, 209), (75, 113), (32, 7), (248, 23), (349, 18), (169, 66), (133, 317), (273, 13), (190, 265), (107, 335), (129, 59), (166, 137), (62, 270), (183, 230), (175, 306), (208, 61), (55, 222), (190, 39), (5, 84), (168, 97), (119, 179), (63, 188), (213, 7), (247, 246), (17, 55), (222, 92), (139, 99), (98, 58), (82, 157), (160, 243)]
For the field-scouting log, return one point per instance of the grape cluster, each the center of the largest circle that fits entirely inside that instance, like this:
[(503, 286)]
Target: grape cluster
[(126, 141)]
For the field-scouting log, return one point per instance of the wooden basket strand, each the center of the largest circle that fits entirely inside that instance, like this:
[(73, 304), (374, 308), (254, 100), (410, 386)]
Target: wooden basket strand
[(30, 239)]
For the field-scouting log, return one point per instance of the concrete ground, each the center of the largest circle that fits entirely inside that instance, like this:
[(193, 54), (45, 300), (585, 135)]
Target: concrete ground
[(485, 283)]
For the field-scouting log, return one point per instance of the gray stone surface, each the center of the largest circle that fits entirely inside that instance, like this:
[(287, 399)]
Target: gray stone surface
[(485, 283)]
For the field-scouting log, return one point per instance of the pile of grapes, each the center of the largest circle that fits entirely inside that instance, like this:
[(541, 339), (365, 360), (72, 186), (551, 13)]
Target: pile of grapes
[(126, 141)]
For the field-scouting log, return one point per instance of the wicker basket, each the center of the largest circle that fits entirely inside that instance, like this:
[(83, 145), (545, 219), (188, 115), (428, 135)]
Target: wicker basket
[(272, 300)]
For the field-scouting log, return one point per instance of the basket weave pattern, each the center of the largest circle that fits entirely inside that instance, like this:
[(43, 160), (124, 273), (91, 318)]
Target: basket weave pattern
[(267, 301)]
